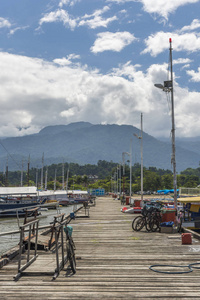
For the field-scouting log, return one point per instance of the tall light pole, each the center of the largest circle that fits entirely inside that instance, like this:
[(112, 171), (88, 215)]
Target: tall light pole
[(130, 162), (141, 150), (120, 178), (168, 87), (117, 179), (130, 170), (123, 162)]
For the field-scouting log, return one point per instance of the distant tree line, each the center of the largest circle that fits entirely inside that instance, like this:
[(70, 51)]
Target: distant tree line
[(101, 175)]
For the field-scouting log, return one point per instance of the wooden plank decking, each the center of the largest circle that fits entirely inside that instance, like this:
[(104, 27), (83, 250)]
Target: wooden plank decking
[(112, 262)]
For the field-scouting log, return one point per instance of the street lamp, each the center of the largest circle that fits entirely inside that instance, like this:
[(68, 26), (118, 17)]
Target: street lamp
[(168, 87), (141, 138)]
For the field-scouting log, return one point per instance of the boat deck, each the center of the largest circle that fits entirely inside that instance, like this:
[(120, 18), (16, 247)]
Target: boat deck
[(112, 262)]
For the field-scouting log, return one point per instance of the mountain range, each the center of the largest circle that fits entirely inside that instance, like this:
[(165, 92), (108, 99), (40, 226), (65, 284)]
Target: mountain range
[(85, 143)]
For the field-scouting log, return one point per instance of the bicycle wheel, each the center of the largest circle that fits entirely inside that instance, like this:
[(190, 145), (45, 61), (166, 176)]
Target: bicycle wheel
[(154, 224), (71, 257), (138, 223), (148, 223)]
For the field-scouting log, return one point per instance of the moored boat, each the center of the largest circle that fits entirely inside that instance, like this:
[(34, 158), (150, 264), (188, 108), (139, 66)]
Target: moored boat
[(17, 198)]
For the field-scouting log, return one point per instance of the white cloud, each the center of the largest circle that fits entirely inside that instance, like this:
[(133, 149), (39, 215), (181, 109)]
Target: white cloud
[(12, 31), (193, 26), (121, 1), (67, 2), (187, 108), (181, 61), (159, 42), (195, 76), (4, 23), (93, 20), (160, 7), (163, 7), (96, 20), (36, 93), (59, 16), (66, 61), (64, 2), (109, 41)]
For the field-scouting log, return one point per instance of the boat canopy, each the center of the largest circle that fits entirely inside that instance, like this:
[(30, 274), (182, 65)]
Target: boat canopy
[(26, 190), (165, 192), (61, 193), (189, 199)]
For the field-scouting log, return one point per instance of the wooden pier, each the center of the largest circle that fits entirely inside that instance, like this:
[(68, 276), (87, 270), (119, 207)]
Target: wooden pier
[(112, 263)]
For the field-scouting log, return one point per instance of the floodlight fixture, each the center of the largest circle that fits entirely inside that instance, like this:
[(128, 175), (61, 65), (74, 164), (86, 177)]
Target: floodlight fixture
[(159, 85)]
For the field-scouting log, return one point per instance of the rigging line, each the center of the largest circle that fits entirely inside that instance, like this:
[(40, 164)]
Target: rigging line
[(9, 154)]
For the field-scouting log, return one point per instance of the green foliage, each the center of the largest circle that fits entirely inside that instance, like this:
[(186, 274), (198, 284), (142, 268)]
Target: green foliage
[(99, 176)]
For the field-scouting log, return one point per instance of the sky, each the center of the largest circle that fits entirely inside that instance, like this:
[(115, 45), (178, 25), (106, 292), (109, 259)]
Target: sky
[(64, 61)]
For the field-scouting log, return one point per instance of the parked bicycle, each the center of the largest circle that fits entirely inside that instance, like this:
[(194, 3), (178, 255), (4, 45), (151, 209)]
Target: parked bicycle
[(70, 246), (155, 220), (150, 219)]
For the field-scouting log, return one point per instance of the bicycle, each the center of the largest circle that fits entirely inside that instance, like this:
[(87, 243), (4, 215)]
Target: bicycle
[(155, 220), (70, 247), (150, 219), (142, 221)]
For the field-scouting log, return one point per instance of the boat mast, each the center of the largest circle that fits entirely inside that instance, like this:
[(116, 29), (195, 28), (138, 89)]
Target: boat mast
[(28, 170), (63, 176), (6, 181), (42, 172), (36, 178), (46, 175), (55, 180), (22, 174), (67, 180)]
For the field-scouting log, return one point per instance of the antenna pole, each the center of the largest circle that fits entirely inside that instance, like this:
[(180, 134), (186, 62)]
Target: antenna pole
[(28, 170), (141, 137), (173, 129)]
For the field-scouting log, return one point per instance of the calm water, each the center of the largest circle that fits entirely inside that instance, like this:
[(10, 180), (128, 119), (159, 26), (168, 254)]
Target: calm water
[(11, 224)]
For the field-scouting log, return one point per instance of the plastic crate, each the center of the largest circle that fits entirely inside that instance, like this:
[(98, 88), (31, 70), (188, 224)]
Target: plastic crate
[(186, 238)]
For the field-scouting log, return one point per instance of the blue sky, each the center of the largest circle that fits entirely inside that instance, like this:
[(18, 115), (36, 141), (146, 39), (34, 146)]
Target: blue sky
[(66, 61)]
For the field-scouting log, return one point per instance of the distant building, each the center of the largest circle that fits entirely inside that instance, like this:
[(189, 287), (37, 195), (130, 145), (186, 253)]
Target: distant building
[(93, 177)]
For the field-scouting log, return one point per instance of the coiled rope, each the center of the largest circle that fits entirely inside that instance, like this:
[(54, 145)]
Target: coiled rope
[(190, 268)]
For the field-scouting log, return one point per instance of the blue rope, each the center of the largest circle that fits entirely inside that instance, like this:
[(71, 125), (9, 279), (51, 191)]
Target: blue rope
[(193, 265), (174, 272)]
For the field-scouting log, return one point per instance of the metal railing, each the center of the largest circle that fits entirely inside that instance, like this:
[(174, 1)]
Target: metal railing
[(56, 230), (62, 243), (31, 225), (59, 264)]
